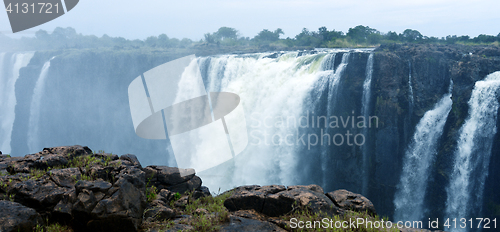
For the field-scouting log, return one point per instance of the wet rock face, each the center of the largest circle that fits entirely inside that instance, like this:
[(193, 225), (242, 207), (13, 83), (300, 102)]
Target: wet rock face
[(431, 68), (90, 192)]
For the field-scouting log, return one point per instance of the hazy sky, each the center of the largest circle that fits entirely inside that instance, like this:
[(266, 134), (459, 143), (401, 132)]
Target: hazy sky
[(139, 19)]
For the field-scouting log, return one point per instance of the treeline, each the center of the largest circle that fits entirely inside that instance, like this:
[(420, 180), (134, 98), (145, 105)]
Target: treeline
[(359, 36)]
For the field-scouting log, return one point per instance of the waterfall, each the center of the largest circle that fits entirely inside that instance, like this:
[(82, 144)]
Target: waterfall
[(35, 108), (410, 86), (472, 156), (8, 76), (272, 92), (421, 152), (365, 110), (333, 80)]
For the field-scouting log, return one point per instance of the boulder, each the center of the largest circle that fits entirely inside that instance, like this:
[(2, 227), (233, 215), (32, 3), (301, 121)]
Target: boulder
[(351, 201), (15, 217), (40, 194), (132, 159), (202, 192), (171, 178), (276, 200), (158, 213), (123, 210), (298, 196), (246, 197)]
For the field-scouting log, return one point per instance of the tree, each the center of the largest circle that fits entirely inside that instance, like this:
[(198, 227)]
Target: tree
[(325, 34), (163, 41), (209, 38), (42, 35), (392, 36), (410, 35), (226, 33), (151, 41), (482, 38), (360, 33), (304, 38), (269, 36)]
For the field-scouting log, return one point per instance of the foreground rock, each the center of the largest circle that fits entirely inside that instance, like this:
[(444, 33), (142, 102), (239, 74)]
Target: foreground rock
[(277, 200), (89, 192), (352, 201), (16, 217)]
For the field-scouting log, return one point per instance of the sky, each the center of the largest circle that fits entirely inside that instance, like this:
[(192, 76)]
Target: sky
[(191, 19)]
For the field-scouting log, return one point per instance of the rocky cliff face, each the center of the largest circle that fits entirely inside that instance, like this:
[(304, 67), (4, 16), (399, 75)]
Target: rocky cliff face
[(431, 68)]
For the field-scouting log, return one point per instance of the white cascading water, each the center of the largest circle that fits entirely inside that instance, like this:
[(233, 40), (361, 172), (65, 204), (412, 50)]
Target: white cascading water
[(410, 86), (35, 107), (333, 80), (272, 92), (365, 110), (419, 156), (8, 78), (471, 162)]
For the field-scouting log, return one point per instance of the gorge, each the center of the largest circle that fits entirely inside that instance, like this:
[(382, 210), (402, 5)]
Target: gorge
[(434, 151)]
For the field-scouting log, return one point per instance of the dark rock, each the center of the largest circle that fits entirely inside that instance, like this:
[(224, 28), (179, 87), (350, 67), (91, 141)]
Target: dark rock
[(192, 184), (65, 177), (96, 186), (313, 200), (134, 176), (246, 197), (105, 173), (158, 213), (15, 217), (38, 194), (180, 227), (174, 179), (63, 210), (276, 200), (165, 195), (133, 159), (105, 156), (124, 208), (85, 203), (312, 187), (351, 201), (243, 224), (49, 157), (182, 202), (168, 175), (201, 192)]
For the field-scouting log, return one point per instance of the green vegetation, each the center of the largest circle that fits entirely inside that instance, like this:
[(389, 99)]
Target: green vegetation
[(177, 196), (216, 213), (336, 222), (52, 228), (206, 213), (226, 37), (151, 193)]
